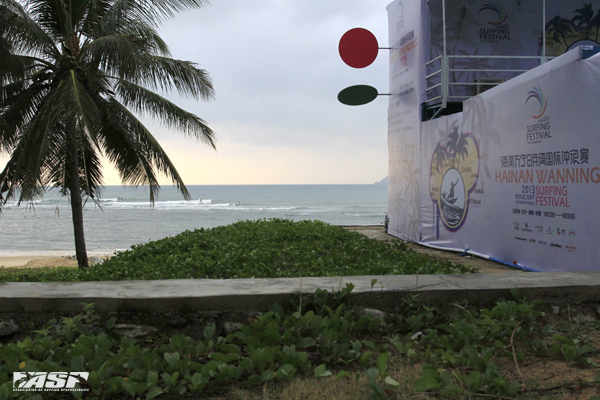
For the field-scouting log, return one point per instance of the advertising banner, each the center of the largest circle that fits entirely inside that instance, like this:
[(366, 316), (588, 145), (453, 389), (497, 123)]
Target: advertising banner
[(570, 24), (516, 175), (476, 29), (408, 38)]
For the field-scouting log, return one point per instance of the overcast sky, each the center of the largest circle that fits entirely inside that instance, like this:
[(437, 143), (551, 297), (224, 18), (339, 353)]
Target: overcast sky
[(277, 72)]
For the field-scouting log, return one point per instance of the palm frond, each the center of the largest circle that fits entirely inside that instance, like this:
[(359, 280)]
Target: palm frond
[(135, 152), (151, 12), (167, 74), (23, 32), (147, 102)]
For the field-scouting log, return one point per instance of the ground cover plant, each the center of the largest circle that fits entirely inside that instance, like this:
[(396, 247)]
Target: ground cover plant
[(325, 345), (253, 249)]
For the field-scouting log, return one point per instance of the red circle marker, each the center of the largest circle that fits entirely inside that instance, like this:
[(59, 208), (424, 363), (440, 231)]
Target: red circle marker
[(358, 48)]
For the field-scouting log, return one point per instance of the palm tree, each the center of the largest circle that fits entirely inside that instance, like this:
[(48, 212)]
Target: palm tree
[(462, 148), (439, 158), (559, 28), (452, 140), (595, 23), (586, 13), (70, 72)]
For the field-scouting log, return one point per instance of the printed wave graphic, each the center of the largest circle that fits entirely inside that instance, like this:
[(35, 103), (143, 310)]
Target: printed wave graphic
[(498, 9), (537, 94)]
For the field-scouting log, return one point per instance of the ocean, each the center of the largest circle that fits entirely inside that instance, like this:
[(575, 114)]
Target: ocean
[(124, 216)]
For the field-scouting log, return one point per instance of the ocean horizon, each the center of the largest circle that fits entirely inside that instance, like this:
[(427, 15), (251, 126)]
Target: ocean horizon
[(124, 216)]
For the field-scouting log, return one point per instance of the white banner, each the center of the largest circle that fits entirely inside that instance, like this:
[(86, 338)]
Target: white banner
[(517, 174), (408, 39)]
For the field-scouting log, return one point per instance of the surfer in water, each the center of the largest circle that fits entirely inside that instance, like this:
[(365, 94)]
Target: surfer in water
[(451, 194), (449, 197)]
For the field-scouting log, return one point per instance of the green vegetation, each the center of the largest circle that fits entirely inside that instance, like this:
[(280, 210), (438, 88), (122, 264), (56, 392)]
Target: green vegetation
[(463, 353), (252, 249)]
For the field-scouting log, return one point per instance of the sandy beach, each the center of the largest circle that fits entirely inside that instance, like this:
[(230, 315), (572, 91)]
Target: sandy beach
[(374, 232), (36, 261)]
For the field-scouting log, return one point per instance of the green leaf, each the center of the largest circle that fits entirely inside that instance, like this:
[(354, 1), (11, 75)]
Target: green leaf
[(266, 375), (198, 380), (152, 378), (178, 341), (305, 342), (111, 322), (152, 393), (224, 358), (372, 374), (209, 331), (390, 381), (308, 317), (342, 374), (321, 371), (451, 390), (449, 358), (473, 380), (128, 387), (77, 363), (513, 388), (210, 367), (365, 357), (382, 362), (172, 359), (426, 384), (4, 392), (286, 371)]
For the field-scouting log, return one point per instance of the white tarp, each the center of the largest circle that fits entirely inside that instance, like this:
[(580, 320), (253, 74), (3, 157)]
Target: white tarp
[(516, 176), (409, 40)]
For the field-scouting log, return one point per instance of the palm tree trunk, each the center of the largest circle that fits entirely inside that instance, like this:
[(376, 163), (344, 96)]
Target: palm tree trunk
[(76, 203)]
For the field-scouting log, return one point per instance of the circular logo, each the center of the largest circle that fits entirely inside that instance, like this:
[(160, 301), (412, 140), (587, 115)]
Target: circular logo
[(453, 198), (496, 8), (582, 42)]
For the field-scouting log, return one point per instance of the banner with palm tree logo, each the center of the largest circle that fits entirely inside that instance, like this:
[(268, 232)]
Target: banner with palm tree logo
[(571, 25), (516, 175)]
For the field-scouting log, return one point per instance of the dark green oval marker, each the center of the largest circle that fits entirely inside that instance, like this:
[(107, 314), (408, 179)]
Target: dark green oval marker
[(358, 95)]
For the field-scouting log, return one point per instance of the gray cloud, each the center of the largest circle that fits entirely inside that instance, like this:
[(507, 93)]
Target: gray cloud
[(277, 72)]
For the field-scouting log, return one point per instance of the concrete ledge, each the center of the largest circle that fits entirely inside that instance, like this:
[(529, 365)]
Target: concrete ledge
[(195, 295)]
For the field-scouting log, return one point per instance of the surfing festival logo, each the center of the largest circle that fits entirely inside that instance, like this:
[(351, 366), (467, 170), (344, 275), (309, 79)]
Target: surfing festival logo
[(496, 8), (537, 94), (454, 171), (540, 129), (400, 12), (498, 30)]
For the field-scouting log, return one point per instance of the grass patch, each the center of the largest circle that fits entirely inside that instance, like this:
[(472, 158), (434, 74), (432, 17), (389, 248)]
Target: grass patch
[(273, 248)]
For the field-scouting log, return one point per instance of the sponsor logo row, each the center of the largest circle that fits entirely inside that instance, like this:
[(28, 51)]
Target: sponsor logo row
[(525, 227), (569, 247)]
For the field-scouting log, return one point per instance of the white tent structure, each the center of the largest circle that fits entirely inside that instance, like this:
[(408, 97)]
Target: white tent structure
[(492, 138)]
